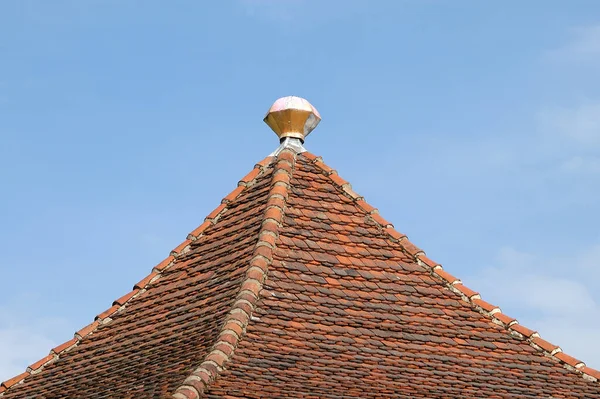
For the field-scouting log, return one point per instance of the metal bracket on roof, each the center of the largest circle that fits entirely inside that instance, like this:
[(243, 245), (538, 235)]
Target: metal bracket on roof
[(292, 143)]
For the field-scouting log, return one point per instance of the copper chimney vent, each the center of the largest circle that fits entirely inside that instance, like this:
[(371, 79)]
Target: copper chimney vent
[(292, 117)]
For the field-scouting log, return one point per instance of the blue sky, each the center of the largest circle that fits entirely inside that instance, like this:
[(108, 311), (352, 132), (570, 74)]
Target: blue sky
[(474, 127)]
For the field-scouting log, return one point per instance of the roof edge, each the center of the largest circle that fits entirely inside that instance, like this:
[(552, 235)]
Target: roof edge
[(473, 298), (143, 285), (238, 318)]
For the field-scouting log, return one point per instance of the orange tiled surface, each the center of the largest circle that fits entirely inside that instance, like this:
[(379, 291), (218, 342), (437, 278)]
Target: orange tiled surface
[(346, 313), (152, 345), (300, 289)]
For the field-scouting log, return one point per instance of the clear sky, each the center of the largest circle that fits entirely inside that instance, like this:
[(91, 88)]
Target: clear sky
[(473, 126)]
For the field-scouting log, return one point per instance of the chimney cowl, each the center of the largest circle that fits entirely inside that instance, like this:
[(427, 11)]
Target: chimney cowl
[(292, 117)]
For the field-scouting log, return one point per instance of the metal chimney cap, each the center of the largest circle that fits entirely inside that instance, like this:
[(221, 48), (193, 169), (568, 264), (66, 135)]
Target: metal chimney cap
[(292, 117)]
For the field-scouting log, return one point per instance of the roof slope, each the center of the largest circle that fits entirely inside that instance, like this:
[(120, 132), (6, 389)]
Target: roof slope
[(152, 338), (297, 288)]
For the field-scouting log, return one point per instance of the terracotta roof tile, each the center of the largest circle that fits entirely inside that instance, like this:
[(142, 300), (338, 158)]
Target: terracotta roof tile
[(233, 195), (253, 174), (591, 372), (395, 234), (362, 204), (296, 287), (192, 236), (37, 365), (9, 383), (178, 250), (526, 332), (570, 360), (446, 276), (466, 291), (324, 168), (92, 326), (486, 306), (431, 263), (545, 345), (213, 215), (65, 345), (505, 319), (149, 278)]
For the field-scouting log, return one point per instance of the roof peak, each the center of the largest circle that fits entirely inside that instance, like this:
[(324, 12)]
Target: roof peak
[(294, 272), (292, 117)]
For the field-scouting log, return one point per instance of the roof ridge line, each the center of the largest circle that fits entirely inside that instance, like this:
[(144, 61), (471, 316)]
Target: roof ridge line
[(238, 318), (494, 313), (142, 286)]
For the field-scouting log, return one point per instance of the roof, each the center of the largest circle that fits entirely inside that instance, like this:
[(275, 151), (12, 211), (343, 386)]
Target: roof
[(295, 287)]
